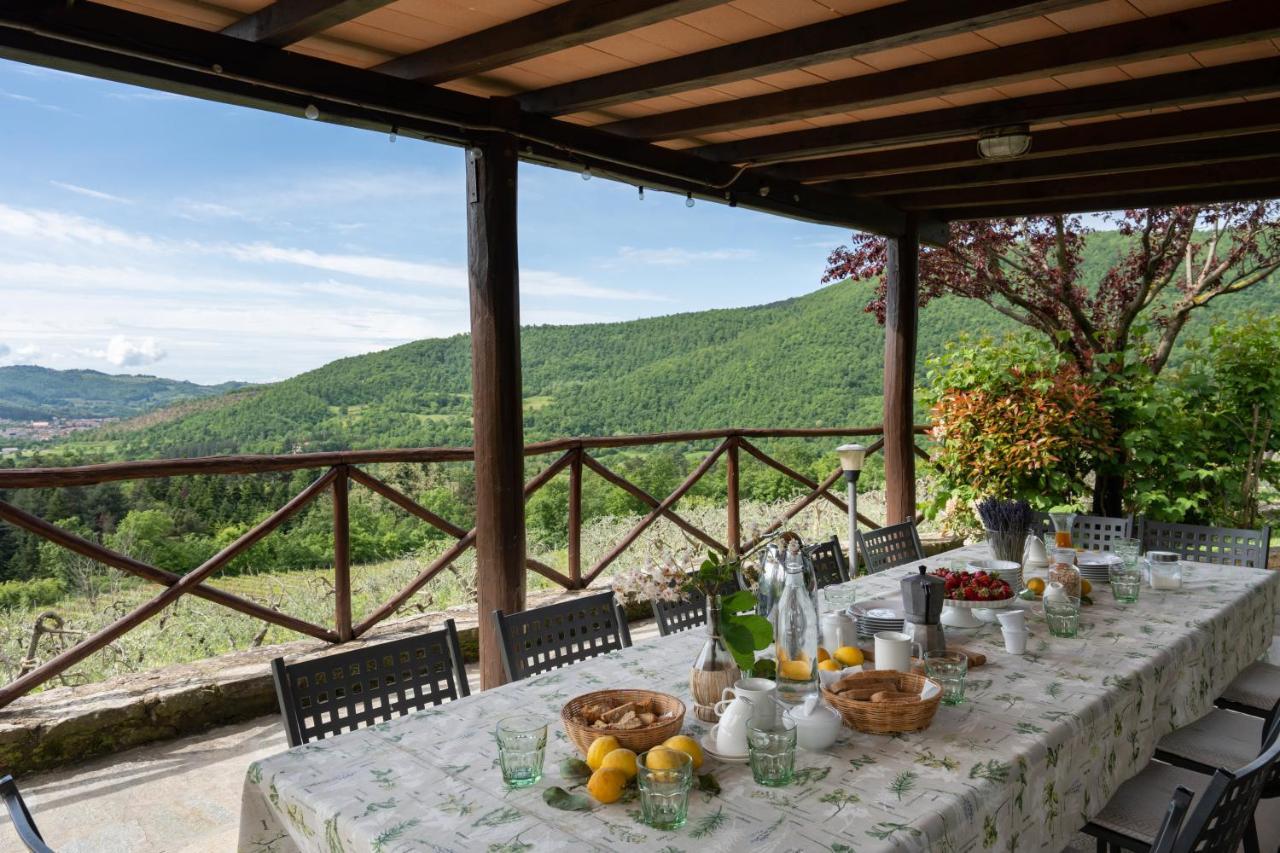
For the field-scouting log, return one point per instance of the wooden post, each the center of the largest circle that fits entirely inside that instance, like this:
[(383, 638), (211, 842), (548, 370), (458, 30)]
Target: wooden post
[(734, 533), (341, 557), (575, 519), (497, 415), (901, 315)]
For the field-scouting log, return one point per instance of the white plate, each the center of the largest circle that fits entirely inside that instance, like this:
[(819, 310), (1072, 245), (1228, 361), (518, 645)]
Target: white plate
[(708, 743), (881, 614), (1096, 559)]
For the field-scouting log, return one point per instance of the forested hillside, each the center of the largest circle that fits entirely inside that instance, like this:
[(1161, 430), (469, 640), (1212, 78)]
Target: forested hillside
[(38, 393)]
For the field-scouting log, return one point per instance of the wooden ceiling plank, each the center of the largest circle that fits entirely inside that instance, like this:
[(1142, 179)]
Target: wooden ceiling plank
[(564, 25), (1262, 189), (1171, 178), (1228, 24), (1185, 87), (1085, 164), (881, 28), (285, 22)]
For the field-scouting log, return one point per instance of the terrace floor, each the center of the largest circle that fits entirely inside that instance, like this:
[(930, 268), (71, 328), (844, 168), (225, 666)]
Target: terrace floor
[(183, 796)]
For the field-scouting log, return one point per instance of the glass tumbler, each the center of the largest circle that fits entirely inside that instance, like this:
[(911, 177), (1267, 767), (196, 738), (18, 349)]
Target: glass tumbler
[(664, 789), (1126, 580), (1063, 615), (949, 670), (522, 744), (1127, 550), (772, 752)]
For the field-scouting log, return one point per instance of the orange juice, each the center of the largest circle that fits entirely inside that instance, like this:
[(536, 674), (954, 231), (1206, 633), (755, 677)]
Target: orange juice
[(1062, 538)]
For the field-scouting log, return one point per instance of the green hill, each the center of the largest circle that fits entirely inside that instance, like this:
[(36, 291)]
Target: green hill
[(39, 393)]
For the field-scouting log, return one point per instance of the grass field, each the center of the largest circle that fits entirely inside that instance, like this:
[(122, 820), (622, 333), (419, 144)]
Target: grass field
[(192, 628)]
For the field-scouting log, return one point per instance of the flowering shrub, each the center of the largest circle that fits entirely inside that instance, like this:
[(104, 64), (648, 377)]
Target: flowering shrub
[(660, 577)]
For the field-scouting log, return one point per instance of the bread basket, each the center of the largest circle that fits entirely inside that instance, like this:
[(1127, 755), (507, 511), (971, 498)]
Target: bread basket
[(582, 733), (883, 718)]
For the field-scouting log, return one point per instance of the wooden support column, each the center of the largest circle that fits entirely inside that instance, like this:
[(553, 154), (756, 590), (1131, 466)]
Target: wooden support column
[(341, 556), (575, 519), (734, 533), (900, 320), (498, 418)]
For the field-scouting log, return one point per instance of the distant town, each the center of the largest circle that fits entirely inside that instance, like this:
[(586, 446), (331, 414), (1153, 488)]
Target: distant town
[(28, 431)]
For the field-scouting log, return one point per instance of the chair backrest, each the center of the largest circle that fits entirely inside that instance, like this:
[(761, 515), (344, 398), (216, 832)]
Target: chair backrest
[(828, 562), (1225, 811), (1224, 546), (23, 824), (557, 635), (673, 617), (890, 546), (1091, 532), (349, 690)]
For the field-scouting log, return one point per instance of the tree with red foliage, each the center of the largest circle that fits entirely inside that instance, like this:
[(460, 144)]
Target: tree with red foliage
[(1176, 261)]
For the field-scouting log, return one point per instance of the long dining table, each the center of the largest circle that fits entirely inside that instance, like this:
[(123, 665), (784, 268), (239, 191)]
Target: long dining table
[(1038, 746)]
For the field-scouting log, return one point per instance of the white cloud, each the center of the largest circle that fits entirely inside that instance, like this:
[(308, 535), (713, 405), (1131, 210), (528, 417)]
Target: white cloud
[(366, 266), (91, 193), (124, 352), (4, 350), (46, 225), (143, 95), (673, 256)]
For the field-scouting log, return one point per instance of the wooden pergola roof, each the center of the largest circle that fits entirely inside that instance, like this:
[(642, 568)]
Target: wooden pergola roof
[(859, 113)]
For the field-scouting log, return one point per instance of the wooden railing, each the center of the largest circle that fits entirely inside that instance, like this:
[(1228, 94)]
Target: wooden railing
[(342, 468)]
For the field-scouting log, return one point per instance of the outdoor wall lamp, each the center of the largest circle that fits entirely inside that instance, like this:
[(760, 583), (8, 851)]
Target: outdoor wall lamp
[(851, 458)]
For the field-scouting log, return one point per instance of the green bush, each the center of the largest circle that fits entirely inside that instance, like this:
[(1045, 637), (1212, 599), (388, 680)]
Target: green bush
[(25, 595)]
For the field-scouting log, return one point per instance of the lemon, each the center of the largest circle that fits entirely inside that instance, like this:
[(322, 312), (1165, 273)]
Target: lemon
[(796, 670), (849, 656), (687, 745), (1036, 585), (1085, 587), (828, 665), (621, 759), (600, 747), (823, 654), (663, 758), (606, 784)]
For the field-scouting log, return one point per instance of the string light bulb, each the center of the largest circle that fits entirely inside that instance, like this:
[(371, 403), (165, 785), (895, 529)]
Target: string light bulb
[(586, 173), (312, 112), (688, 200), (394, 134), (641, 188)]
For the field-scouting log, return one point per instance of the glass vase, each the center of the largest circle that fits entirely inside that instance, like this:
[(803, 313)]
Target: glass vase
[(714, 669), (1007, 544), (1062, 524)]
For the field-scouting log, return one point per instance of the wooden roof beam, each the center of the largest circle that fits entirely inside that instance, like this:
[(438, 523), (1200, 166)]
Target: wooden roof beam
[(1219, 122), (1153, 197), (564, 25), (1201, 177), (287, 21), (839, 38), (1257, 76), (1202, 28), (1086, 164)]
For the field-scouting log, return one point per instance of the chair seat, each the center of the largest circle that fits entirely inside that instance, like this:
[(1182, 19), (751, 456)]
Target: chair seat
[(1258, 687), (1218, 739), (1138, 806)]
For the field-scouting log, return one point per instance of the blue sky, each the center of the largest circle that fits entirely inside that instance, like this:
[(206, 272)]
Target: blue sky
[(143, 232)]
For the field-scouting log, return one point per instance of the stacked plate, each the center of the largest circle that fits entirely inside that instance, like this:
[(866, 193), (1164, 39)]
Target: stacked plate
[(1095, 566), (873, 617), (1007, 570)]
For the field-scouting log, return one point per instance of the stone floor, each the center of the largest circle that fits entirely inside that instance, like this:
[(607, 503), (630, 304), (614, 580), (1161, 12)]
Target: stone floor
[(184, 795)]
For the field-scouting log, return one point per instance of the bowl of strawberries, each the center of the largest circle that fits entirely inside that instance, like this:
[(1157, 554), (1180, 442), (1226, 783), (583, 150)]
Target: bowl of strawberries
[(967, 592)]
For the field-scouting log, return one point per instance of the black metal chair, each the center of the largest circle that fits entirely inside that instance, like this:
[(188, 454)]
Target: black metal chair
[(1221, 818), (546, 638), (1091, 532), (1253, 691), (828, 562), (886, 547), (349, 690), (673, 617), (1223, 546), (23, 823)]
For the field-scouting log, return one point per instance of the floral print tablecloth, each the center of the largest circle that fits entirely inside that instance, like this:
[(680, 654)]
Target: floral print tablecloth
[(1038, 748)]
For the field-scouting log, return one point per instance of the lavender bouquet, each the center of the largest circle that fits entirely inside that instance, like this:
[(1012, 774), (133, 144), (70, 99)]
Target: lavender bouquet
[(1007, 523)]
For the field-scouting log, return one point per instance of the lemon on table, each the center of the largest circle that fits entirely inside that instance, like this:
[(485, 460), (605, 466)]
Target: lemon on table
[(823, 654), (828, 665), (1036, 585), (606, 784), (687, 745), (621, 759), (849, 656), (664, 758), (1085, 587), (600, 747), (796, 670)]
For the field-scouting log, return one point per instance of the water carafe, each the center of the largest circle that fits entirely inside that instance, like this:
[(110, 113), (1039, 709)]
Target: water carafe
[(795, 634)]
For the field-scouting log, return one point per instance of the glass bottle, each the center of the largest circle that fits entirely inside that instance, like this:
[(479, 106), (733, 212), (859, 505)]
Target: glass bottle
[(796, 635), (1062, 524), (769, 587), (714, 669)]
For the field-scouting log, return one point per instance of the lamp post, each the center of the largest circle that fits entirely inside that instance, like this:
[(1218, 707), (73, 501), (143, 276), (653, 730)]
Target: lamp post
[(851, 458)]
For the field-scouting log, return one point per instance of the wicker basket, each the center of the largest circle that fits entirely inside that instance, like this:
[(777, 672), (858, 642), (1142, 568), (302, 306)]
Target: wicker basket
[(883, 718), (636, 740)]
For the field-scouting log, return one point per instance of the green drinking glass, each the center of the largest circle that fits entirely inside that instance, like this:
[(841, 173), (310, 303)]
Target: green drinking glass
[(771, 750), (664, 790), (522, 745), (949, 670)]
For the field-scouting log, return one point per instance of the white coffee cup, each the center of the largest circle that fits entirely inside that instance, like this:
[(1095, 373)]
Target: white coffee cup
[(731, 731), (894, 650), (1015, 642), (1012, 619), (762, 693)]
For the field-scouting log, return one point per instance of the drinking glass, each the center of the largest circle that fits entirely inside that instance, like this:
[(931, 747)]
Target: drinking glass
[(1127, 550), (522, 743), (1063, 616), (949, 670), (772, 752), (1126, 580), (664, 790)]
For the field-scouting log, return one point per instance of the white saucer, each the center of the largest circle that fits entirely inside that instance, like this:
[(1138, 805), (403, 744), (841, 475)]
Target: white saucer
[(708, 744)]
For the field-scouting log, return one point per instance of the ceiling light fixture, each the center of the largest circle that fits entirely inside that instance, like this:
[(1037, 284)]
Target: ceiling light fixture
[(1005, 142)]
